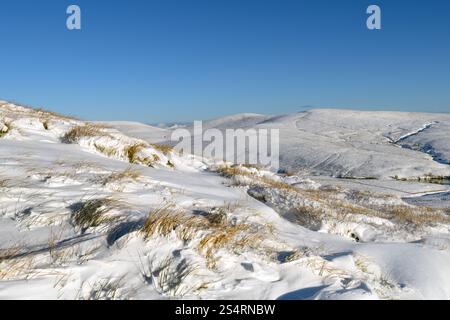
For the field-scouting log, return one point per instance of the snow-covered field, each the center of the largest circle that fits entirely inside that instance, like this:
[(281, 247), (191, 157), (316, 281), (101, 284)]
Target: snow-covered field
[(90, 211)]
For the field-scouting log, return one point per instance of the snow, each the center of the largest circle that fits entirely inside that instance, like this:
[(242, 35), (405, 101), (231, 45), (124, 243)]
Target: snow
[(351, 143), (140, 131), (433, 141), (45, 255)]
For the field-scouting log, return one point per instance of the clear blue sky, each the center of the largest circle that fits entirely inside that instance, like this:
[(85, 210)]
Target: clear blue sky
[(166, 60)]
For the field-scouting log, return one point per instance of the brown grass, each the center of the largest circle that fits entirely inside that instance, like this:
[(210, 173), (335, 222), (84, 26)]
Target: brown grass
[(417, 215), (92, 213), (127, 174), (41, 112), (164, 220), (232, 171), (133, 151), (341, 208), (107, 151), (13, 266), (9, 253), (46, 124), (213, 232), (428, 178), (226, 236), (89, 130), (58, 255), (4, 183), (47, 113), (163, 148), (7, 127)]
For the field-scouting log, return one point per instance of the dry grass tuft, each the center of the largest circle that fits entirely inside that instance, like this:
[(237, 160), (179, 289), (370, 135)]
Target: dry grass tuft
[(104, 289), (133, 154), (163, 221), (236, 170), (107, 151), (169, 277), (163, 148), (15, 266), (127, 174), (329, 204), (9, 253), (133, 151), (417, 216), (238, 236), (4, 183), (92, 213), (5, 128), (212, 232), (308, 217), (78, 132), (46, 113), (232, 171), (46, 124)]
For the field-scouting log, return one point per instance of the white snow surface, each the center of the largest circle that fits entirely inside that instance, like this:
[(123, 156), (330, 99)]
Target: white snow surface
[(45, 255), (348, 143)]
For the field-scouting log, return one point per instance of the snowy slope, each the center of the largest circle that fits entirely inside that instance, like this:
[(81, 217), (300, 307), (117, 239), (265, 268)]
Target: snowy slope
[(347, 143), (433, 140), (227, 243), (140, 130)]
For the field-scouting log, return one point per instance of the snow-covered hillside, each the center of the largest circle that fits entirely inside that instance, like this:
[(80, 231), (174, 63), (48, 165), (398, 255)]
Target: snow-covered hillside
[(89, 211), (355, 143)]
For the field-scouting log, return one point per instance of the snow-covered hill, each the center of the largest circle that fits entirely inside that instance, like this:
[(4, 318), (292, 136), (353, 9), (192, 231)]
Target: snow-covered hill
[(140, 131), (359, 144), (94, 212)]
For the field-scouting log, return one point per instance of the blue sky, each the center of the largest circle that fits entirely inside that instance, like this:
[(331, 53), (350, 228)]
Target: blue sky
[(167, 60)]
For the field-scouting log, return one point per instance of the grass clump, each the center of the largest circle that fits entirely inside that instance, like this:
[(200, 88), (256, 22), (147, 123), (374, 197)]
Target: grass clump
[(3, 183), (10, 253), (316, 206), (236, 171), (5, 128), (93, 213), (233, 171), (233, 236), (165, 220), (133, 152), (170, 276), (15, 264), (104, 289), (308, 216), (428, 178), (134, 155), (163, 148), (211, 232), (107, 151), (127, 174), (48, 113), (46, 124), (78, 132), (417, 216)]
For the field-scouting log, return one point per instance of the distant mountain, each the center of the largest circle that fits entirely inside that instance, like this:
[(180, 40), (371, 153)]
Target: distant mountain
[(346, 143)]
